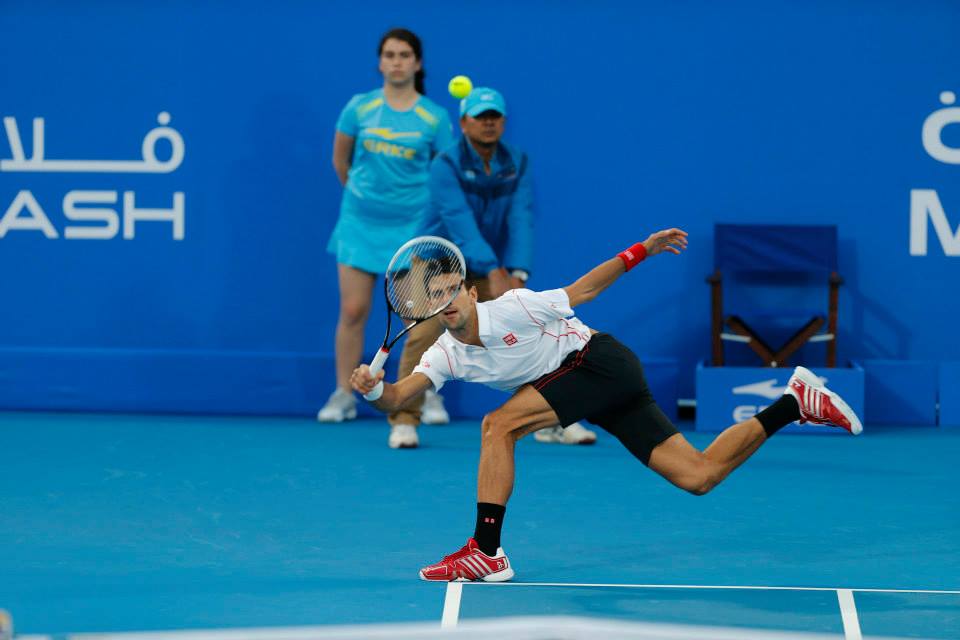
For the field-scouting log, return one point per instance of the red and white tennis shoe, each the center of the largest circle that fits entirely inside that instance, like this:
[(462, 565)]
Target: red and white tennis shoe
[(470, 564), (818, 404)]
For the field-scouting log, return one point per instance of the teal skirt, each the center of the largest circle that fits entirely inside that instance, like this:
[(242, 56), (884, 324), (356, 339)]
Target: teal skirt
[(367, 235)]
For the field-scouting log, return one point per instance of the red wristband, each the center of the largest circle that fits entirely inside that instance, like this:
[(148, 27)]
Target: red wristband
[(633, 256)]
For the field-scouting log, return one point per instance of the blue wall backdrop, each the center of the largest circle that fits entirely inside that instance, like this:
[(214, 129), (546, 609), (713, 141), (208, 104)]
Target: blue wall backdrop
[(637, 116)]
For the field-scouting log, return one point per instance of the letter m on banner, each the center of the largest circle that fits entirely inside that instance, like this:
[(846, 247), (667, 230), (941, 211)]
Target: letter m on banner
[(923, 203)]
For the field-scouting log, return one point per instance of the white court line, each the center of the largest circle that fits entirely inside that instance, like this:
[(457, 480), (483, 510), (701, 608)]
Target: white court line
[(451, 605), (706, 586), (848, 612)]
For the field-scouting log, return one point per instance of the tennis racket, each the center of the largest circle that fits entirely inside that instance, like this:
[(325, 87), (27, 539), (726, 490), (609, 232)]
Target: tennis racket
[(412, 293)]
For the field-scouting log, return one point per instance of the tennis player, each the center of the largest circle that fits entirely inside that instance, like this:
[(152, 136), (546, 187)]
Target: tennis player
[(481, 198), (563, 371)]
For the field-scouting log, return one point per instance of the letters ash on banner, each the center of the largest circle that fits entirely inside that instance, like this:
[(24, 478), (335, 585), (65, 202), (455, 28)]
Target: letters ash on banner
[(26, 214)]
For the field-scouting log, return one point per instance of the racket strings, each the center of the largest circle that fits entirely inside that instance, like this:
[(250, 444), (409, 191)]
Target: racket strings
[(423, 279)]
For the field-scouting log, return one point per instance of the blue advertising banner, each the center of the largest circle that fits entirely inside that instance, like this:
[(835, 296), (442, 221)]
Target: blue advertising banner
[(166, 185)]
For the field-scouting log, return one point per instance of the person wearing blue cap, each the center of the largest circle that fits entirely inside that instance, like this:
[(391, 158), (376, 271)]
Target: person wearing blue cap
[(481, 199), (384, 142)]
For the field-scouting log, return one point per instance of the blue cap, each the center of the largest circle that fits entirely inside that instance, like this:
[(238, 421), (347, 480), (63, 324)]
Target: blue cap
[(483, 99)]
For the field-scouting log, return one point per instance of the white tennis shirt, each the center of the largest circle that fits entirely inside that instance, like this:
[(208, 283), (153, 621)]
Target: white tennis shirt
[(525, 334)]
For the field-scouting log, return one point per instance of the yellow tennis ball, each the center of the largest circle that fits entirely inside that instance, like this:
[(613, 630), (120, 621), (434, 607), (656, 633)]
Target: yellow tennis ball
[(460, 87)]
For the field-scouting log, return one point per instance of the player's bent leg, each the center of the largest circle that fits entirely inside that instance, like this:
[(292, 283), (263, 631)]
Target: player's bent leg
[(527, 411), (482, 558)]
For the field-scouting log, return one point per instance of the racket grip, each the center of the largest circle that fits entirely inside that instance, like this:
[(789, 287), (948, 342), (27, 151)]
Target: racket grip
[(376, 367)]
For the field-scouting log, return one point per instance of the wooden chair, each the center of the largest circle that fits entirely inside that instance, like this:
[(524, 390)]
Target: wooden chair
[(782, 251)]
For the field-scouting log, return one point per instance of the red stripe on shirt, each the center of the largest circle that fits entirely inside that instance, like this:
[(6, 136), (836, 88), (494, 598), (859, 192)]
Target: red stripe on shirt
[(542, 326), (449, 364)]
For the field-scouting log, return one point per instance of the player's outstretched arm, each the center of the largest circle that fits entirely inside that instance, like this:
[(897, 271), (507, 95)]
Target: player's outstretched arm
[(603, 275), (394, 395)]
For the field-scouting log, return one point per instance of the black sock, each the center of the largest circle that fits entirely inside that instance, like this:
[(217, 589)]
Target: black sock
[(779, 414), (489, 522)]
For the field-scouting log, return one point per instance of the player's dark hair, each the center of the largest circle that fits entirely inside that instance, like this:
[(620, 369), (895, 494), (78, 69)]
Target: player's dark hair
[(439, 267), (411, 39)]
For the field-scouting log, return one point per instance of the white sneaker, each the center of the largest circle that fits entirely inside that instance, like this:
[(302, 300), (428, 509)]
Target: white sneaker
[(340, 406), (433, 409), (403, 436), (575, 433)]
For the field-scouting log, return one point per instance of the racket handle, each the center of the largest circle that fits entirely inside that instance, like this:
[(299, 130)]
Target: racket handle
[(376, 367)]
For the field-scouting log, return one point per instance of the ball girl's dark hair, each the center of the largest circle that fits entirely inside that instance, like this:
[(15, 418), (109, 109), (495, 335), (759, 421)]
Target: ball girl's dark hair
[(411, 39)]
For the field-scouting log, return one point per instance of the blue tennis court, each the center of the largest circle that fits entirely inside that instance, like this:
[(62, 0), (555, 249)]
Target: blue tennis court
[(211, 213), (116, 523)]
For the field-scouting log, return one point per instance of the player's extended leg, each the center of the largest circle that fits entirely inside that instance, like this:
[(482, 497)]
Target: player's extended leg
[(482, 558), (806, 399), (700, 471)]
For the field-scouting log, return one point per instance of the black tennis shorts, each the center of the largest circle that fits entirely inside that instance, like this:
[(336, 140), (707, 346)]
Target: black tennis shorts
[(604, 383)]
